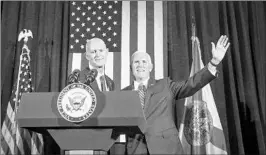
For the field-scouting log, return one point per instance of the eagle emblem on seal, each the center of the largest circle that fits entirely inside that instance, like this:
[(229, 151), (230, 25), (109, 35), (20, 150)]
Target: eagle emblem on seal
[(76, 103)]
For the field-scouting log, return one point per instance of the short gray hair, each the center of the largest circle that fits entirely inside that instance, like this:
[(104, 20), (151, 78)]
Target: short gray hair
[(93, 40), (141, 51)]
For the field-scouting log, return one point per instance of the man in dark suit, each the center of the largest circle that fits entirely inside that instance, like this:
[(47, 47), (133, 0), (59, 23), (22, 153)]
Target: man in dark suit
[(156, 97), (96, 54)]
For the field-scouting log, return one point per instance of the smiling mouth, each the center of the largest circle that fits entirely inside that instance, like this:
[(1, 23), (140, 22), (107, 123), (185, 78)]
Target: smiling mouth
[(98, 59), (140, 70)]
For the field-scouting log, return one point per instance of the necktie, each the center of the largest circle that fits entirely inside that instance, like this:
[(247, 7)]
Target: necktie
[(142, 91), (103, 85)]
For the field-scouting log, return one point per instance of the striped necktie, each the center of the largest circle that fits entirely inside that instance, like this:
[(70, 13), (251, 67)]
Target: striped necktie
[(142, 92), (103, 85)]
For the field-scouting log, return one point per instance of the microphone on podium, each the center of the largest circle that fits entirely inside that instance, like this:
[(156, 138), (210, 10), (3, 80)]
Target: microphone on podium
[(74, 76), (91, 76)]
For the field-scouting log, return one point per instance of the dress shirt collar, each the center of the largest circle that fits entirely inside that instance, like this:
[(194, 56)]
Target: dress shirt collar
[(98, 78), (145, 83)]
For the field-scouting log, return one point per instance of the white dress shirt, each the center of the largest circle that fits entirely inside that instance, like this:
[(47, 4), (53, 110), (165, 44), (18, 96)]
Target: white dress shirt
[(145, 83), (212, 69), (98, 78)]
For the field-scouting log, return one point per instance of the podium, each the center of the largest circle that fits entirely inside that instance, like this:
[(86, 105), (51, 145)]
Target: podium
[(115, 112)]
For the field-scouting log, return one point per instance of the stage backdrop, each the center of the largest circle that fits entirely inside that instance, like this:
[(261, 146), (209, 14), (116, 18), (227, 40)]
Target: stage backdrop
[(239, 91)]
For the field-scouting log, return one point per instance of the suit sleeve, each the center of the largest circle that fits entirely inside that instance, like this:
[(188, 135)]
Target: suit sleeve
[(192, 85)]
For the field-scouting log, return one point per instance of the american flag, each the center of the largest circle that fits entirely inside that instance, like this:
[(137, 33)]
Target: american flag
[(125, 26), (99, 19), (16, 140)]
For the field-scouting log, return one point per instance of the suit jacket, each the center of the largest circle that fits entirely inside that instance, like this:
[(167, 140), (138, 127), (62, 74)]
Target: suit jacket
[(136, 142), (160, 131), (109, 82), (94, 86)]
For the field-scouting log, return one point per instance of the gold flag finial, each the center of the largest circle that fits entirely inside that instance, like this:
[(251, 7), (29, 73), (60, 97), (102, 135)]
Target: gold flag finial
[(25, 34)]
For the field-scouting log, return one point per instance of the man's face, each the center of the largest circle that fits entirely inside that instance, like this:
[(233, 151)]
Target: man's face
[(97, 53), (141, 66)]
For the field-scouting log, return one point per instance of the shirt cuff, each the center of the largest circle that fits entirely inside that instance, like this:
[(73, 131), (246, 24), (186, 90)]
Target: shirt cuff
[(212, 69)]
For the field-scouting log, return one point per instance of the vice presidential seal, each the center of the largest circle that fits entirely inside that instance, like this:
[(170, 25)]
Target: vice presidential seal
[(76, 102)]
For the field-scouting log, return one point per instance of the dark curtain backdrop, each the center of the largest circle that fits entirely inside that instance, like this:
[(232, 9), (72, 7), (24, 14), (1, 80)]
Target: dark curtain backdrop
[(239, 91), (48, 22)]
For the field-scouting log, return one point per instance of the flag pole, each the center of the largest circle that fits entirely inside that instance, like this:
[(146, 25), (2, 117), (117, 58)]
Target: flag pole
[(193, 26), (24, 34), (193, 31), (18, 79), (194, 37)]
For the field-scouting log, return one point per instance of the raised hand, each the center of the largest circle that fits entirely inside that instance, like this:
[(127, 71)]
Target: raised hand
[(220, 49)]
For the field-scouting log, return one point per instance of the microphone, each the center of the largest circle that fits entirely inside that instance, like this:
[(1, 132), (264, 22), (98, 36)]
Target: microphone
[(74, 77), (91, 76)]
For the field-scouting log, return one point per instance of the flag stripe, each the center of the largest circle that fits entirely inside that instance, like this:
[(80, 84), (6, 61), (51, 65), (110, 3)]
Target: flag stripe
[(7, 142), (110, 65), (158, 39), (212, 149), (10, 114), (34, 148), (27, 135), (38, 139), (117, 70), (36, 142), (165, 40), (219, 140), (1, 149), (125, 46), (70, 59), (76, 62), (150, 32), (133, 28), (40, 143), (19, 142), (84, 61), (186, 146), (209, 99), (141, 25)]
